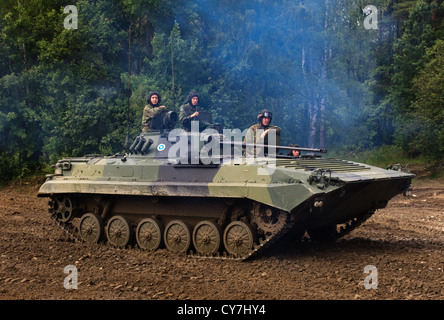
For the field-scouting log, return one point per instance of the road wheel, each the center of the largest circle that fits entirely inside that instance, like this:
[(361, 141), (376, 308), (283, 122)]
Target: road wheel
[(207, 237), (177, 236), (239, 238), (149, 234), (119, 231), (91, 228)]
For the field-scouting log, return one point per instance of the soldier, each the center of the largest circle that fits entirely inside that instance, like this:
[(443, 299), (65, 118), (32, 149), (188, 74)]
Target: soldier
[(262, 128), (151, 110), (294, 153), (189, 111)]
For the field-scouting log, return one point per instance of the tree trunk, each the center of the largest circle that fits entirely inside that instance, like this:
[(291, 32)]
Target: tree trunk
[(313, 113), (323, 80)]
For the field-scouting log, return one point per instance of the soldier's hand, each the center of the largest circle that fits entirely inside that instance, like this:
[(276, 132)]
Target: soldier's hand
[(195, 114), (163, 108), (264, 134)]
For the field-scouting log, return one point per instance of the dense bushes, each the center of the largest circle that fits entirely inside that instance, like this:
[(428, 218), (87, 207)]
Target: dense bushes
[(329, 81)]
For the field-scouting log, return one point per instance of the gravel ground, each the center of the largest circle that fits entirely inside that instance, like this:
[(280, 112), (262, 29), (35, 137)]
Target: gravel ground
[(403, 242)]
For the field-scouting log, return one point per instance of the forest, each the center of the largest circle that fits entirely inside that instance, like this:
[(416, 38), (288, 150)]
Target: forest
[(335, 73)]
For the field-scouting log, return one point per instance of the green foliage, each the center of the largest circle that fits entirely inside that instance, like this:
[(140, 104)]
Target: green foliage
[(429, 86), (381, 156), (417, 84), (328, 81)]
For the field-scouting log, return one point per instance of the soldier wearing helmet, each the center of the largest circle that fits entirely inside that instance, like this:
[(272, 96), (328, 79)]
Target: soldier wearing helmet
[(151, 110), (189, 111), (260, 132), (294, 153)]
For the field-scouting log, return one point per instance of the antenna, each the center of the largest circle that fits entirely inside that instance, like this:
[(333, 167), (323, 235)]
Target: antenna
[(172, 70), (128, 91)]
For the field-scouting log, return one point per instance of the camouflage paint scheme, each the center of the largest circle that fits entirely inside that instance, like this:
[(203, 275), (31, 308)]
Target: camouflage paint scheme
[(346, 189)]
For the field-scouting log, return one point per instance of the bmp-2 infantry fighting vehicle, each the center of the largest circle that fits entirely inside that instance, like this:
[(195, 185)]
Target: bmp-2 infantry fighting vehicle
[(227, 208)]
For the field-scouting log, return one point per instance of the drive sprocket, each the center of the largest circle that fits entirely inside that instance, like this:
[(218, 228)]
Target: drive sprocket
[(267, 219)]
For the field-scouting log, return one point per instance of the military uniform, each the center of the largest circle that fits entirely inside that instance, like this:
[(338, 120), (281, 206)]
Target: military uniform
[(254, 133), (185, 115), (187, 110), (151, 111)]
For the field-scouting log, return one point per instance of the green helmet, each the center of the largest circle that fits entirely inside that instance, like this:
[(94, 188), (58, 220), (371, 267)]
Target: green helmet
[(264, 113)]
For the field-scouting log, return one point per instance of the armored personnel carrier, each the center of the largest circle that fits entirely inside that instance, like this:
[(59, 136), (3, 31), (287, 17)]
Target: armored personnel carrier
[(158, 195)]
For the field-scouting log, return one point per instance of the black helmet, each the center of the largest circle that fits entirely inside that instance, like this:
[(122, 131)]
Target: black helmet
[(191, 95), (148, 97), (293, 145), (265, 113)]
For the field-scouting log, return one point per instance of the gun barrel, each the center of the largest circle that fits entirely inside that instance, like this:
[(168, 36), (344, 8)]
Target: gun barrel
[(243, 144)]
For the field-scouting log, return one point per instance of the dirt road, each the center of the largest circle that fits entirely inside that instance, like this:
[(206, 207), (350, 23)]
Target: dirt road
[(403, 242)]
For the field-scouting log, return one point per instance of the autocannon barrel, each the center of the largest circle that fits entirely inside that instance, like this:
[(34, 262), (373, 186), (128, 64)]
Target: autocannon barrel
[(243, 144)]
